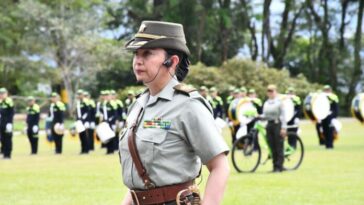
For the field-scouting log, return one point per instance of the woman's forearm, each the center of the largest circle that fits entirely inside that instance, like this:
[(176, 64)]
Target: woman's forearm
[(127, 199), (216, 183)]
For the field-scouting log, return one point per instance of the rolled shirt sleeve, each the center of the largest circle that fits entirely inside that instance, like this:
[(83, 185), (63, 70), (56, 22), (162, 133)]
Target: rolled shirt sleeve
[(201, 132)]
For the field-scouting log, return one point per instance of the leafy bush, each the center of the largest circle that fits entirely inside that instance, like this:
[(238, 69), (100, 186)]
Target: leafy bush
[(243, 72)]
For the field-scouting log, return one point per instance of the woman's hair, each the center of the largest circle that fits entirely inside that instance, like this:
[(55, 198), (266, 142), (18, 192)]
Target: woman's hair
[(182, 66)]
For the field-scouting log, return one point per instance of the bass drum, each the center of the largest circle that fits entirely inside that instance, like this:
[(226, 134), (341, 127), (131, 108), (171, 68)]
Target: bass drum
[(357, 107), (316, 106), (232, 111), (288, 106), (246, 111)]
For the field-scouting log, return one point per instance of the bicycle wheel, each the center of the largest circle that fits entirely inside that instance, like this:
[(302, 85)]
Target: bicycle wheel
[(293, 151), (246, 154)]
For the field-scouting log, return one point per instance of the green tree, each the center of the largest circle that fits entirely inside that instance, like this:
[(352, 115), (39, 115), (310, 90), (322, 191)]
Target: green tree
[(65, 35), (214, 28)]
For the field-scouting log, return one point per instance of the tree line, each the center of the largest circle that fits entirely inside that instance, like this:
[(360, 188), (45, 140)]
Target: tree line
[(78, 43)]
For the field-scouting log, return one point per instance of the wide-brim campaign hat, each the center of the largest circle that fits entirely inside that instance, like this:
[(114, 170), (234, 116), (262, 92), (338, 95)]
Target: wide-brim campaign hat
[(159, 34)]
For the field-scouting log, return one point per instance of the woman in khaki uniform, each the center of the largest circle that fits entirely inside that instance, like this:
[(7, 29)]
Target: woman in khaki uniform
[(170, 131)]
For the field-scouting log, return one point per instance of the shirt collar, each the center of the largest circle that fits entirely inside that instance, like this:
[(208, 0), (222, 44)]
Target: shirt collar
[(166, 93), (168, 90)]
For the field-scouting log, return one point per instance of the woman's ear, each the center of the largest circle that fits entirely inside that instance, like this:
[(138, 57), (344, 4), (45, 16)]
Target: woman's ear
[(174, 61)]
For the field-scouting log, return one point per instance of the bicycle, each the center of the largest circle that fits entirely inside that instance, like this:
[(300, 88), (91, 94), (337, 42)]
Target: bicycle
[(246, 151)]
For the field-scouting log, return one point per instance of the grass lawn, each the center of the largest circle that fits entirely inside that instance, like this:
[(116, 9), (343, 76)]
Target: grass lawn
[(325, 177)]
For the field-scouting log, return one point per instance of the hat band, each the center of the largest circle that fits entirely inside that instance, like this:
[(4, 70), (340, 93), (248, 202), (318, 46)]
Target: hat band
[(150, 36)]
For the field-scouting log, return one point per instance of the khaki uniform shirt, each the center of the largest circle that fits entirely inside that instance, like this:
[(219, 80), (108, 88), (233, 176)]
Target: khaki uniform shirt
[(175, 134), (273, 110)]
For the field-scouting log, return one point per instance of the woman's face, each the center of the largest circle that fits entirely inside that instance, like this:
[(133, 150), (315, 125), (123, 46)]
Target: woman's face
[(271, 93), (147, 64)]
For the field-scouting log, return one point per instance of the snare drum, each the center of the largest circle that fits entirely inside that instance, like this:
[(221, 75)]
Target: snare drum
[(357, 107), (104, 132), (79, 126), (59, 128)]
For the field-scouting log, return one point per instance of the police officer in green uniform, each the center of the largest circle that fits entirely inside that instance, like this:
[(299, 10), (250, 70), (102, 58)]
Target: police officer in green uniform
[(108, 114), (57, 110), (229, 99), (6, 123), (129, 100), (257, 103), (82, 112), (319, 130), (91, 119), (216, 103), (234, 126), (204, 92), (33, 116), (119, 122), (99, 109), (170, 127), (294, 122), (327, 126)]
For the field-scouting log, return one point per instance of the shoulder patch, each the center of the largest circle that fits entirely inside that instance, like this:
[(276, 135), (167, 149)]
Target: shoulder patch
[(185, 89)]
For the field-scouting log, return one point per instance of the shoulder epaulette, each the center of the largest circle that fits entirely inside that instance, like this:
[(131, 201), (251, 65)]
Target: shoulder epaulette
[(113, 104), (120, 103), (36, 108), (333, 97), (297, 100), (61, 105), (9, 101), (184, 89), (196, 95), (257, 101), (91, 103)]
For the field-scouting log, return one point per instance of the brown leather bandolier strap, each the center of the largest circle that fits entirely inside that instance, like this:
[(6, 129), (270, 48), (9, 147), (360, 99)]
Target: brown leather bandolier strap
[(135, 155), (162, 194)]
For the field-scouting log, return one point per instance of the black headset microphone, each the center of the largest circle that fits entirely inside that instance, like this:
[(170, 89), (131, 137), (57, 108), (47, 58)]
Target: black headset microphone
[(167, 63)]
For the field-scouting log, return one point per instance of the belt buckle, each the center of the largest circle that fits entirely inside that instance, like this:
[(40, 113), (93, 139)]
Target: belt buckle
[(134, 197), (179, 195)]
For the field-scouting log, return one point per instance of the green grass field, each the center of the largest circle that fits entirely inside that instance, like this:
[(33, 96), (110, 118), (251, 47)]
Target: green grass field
[(325, 177)]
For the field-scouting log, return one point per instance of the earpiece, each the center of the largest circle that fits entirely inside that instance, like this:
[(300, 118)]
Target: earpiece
[(168, 63)]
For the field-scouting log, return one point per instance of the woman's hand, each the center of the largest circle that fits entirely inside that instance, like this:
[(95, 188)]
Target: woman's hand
[(283, 133)]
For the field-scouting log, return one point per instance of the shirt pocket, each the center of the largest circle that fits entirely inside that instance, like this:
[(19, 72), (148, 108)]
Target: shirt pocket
[(150, 142), (152, 135)]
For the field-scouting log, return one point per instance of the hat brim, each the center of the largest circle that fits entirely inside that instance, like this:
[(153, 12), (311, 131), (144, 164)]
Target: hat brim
[(167, 43)]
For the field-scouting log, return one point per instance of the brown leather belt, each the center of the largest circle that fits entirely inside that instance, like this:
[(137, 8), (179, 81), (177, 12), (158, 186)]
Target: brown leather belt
[(160, 195)]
